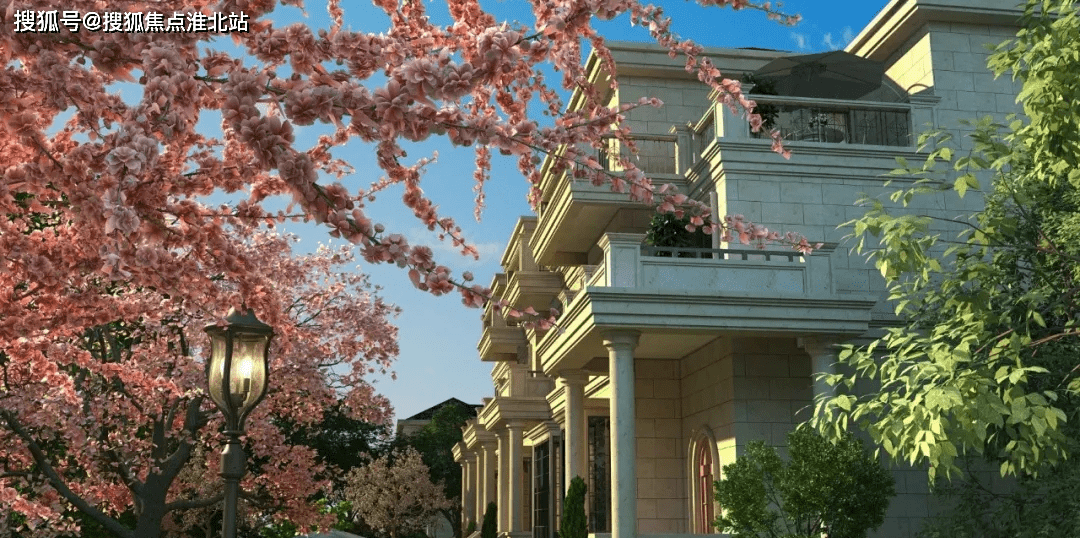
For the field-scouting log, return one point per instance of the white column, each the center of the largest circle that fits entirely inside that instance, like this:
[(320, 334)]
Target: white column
[(479, 504), (576, 455), (621, 344), (468, 499), (824, 362), (504, 482), (489, 479), (515, 503)]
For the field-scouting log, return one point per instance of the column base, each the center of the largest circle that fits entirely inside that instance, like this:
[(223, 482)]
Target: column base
[(520, 534)]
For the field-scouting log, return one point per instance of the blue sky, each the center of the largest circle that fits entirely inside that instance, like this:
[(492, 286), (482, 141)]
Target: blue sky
[(438, 335)]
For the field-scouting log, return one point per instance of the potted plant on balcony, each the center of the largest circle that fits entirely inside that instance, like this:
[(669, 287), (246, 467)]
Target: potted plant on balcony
[(669, 230), (763, 86)]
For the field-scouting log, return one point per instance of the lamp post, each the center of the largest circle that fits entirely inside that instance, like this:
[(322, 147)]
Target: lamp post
[(236, 375)]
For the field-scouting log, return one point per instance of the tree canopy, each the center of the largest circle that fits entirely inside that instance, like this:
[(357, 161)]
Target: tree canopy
[(394, 495), (837, 490), (435, 442), (986, 360)]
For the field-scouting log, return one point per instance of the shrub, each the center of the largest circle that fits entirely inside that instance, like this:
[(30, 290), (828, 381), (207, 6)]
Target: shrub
[(573, 518), (667, 230), (470, 528), (488, 529), (824, 489)]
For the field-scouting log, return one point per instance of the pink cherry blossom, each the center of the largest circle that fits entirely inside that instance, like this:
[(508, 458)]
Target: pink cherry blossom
[(104, 194)]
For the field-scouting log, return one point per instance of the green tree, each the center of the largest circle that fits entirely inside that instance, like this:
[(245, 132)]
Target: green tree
[(838, 490), (342, 441), (488, 529), (435, 443), (985, 362), (573, 523), (1036, 507)]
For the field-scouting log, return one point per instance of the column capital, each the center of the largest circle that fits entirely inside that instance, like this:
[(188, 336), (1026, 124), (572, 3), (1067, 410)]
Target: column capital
[(817, 346), (615, 337), (515, 424), (572, 377)]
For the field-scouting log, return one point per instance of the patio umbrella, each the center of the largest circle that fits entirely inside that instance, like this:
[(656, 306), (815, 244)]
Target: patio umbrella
[(835, 75)]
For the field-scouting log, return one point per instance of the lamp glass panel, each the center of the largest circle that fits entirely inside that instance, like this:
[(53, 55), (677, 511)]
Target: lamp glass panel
[(216, 376), (247, 375)]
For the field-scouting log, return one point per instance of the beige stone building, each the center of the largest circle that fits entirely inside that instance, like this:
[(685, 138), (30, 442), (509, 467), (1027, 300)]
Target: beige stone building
[(666, 366)]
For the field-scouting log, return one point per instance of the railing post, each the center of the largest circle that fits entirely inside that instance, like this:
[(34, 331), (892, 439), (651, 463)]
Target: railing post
[(819, 277), (729, 125), (922, 114), (684, 148), (622, 259)]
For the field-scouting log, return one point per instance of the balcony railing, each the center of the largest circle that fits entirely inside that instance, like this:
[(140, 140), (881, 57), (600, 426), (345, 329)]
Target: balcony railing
[(801, 119), (834, 123), (630, 264), (719, 253), (655, 154)]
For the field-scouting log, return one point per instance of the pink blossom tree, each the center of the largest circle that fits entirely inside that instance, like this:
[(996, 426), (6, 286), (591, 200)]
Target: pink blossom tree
[(394, 494), (111, 418), (128, 177), (111, 259)]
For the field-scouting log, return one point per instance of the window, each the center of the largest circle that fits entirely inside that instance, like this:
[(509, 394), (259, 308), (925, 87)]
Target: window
[(704, 469), (599, 501), (542, 492), (558, 461), (705, 488), (527, 500)]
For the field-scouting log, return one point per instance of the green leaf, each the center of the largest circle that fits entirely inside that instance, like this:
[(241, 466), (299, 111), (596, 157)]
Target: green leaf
[(1038, 319)]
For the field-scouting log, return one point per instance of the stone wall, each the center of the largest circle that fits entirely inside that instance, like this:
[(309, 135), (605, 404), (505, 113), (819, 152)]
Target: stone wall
[(660, 452)]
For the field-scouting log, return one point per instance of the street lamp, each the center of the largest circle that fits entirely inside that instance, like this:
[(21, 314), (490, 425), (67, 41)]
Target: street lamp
[(236, 375)]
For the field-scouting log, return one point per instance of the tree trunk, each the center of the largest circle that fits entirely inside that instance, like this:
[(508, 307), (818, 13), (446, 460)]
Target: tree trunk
[(148, 524)]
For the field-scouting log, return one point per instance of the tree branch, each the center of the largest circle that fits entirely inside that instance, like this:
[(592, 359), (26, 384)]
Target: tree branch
[(194, 503), (194, 420), (125, 473), (57, 482)]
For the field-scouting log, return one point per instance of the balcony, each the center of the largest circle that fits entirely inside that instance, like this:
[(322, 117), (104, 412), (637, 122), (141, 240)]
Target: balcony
[(527, 283), (832, 141), (775, 273), (680, 299), (832, 124), (514, 380), (499, 341), (652, 154), (574, 213)]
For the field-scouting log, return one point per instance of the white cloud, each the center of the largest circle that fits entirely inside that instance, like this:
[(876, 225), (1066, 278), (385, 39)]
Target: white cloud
[(828, 42), (800, 40), (446, 253), (846, 35)]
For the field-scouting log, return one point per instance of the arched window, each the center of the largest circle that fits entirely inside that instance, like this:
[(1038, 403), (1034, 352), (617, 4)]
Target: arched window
[(704, 469), (704, 512)]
